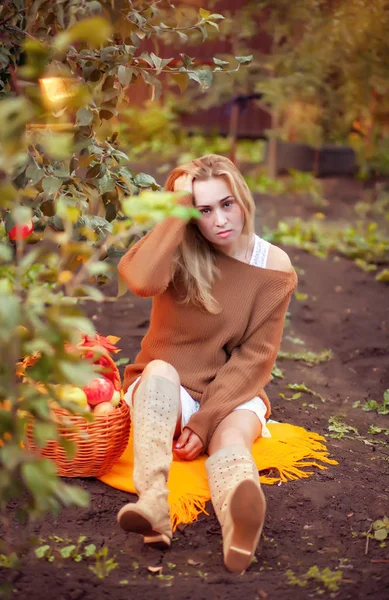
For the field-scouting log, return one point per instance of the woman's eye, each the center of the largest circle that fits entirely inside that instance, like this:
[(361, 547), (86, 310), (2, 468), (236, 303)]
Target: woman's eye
[(204, 211), (228, 204)]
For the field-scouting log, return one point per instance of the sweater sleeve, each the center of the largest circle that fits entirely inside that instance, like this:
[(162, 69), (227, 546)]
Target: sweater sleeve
[(147, 266), (244, 375)]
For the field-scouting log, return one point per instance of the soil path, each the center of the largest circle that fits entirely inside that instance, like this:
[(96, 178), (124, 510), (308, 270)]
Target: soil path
[(320, 521)]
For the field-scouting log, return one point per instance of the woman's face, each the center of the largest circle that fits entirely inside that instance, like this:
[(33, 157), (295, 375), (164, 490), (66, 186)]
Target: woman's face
[(222, 218)]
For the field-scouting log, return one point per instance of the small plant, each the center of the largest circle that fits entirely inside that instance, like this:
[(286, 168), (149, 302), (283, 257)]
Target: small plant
[(71, 551), (311, 358), (302, 388), (276, 372), (9, 561), (382, 409), (364, 242), (339, 429), (330, 580), (381, 529), (374, 430), (295, 340), (74, 550), (300, 182), (104, 565), (261, 183), (378, 530)]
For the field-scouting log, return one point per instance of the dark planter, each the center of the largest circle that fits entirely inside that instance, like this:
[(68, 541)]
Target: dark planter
[(328, 160)]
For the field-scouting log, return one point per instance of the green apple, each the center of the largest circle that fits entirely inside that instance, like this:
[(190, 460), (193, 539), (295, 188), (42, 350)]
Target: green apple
[(116, 397), (72, 393)]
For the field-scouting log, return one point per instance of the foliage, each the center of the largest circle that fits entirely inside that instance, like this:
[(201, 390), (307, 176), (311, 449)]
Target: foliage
[(364, 242), (381, 529), (104, 564), (323, 73), (78, 551), (61, 167), (373, 405), (339, 429), (297, 183), (307, 356), (277, 372), (154, 132), (330, 580), (302, 388)]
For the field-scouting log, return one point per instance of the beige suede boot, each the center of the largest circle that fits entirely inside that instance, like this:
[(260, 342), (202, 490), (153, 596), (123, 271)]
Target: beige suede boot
[(239, 504), (154, 417)]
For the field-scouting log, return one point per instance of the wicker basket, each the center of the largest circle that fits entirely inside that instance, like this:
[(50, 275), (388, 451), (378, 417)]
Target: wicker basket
[(99, 443)]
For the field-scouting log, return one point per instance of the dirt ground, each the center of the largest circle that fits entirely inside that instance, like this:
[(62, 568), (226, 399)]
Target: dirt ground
[(320, 521)]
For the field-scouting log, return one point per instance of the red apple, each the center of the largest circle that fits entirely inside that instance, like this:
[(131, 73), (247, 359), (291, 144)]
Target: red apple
[(98, 390), (21, 231)]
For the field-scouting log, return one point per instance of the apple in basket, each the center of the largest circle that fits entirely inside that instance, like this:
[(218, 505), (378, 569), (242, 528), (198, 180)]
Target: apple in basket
[(103, 409), (115, 400), (98, 390), (72, 393)]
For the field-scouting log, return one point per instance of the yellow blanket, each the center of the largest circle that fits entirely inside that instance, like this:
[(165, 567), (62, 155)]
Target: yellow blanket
[(289, 451)]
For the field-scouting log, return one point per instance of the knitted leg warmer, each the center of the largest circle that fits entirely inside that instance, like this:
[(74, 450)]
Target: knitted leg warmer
[(154, 417), (239, 504)]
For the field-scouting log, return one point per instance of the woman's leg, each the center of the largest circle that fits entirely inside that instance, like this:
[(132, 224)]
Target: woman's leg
[(161, 368), (155, 413), (236, 493), (239, 427)]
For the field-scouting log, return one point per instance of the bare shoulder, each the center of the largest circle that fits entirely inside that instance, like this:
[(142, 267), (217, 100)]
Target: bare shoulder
[(278, 259)]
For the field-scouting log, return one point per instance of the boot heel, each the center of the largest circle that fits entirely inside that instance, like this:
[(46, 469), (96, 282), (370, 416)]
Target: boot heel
[(156, 540), (244, 522)]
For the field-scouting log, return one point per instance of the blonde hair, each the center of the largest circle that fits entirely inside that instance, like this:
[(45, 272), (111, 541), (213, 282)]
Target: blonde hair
[(195, 258)]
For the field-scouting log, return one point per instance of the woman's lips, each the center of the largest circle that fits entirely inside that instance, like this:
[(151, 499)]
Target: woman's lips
[(224, 234)]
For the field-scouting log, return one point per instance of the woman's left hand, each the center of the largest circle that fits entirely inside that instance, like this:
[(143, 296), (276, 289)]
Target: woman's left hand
[(189, 445)]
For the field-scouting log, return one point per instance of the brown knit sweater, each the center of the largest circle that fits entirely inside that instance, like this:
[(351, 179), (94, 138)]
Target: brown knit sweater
[(223, 360)]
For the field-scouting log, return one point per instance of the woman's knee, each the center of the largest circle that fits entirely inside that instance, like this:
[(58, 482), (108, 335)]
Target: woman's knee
[(231, 435), (162, 368), (239, 427)]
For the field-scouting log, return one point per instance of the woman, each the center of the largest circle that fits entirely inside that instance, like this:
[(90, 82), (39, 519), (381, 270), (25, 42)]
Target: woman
[(220, 295)]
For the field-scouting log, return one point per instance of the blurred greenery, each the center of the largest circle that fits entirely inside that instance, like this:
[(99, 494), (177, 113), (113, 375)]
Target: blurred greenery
[(65, 70)]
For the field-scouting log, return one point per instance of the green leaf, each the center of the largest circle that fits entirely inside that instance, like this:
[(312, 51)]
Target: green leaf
[(203, 76), (381, 534), (94, 32), (90, 550), (84, 116), (244, 60), (70, 495), (220, 63), (59, 146), (42, 551), (183, 36), (122, 287), (383, 276), (34, 174), (67, 551), (204, 14), (144, 180), (204, 31), (51, 185), (6, 253), (77, 372), (125, 75), (44, 432)]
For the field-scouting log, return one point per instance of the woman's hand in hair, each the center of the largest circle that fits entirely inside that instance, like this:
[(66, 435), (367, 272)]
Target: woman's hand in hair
[(188, 445), (184, 183)]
